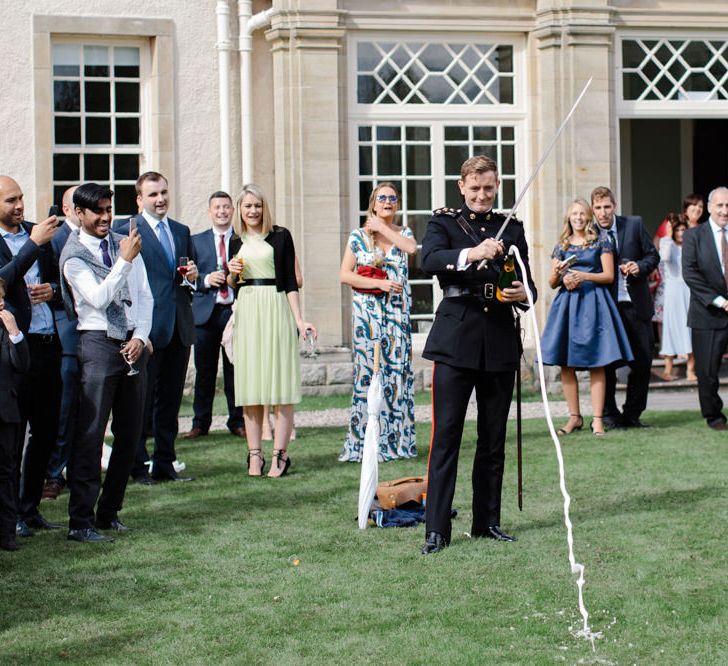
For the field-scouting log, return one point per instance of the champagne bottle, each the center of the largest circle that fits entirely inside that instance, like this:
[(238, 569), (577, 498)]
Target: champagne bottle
[(507, 277)]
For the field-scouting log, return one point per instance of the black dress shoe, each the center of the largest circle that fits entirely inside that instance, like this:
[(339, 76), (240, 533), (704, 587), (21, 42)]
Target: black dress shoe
[(612, 422), (434, 543), (87, 535), (22, 529), (143, 480), (238, 432), (171, 476), (8, 542), (37, 522), (634, 423), (113, 525), (718, 425), (492, 532)]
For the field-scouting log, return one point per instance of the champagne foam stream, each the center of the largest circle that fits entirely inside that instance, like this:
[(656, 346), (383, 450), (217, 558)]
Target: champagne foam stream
[(576, 568)]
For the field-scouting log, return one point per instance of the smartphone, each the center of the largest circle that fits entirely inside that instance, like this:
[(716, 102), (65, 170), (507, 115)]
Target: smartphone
[(132, 225), (570, 261), (55, 210)]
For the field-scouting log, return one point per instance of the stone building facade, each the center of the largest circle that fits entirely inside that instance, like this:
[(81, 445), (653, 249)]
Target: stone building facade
[(318, 99)]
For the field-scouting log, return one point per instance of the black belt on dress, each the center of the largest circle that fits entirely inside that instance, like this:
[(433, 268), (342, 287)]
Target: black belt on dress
[(486, 291), (259, 282)]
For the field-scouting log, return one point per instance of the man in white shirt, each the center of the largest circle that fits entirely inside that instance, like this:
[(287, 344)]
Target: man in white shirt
[(105, 283)]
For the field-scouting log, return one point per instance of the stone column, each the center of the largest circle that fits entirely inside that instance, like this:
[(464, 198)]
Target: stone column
[(311, 164)]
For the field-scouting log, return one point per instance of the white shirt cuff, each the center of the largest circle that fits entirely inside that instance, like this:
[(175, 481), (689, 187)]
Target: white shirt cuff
[(719, 301), (463, 262), (15, 339)]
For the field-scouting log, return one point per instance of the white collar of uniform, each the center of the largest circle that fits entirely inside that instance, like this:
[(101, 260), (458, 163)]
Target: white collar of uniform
[(153, 221)]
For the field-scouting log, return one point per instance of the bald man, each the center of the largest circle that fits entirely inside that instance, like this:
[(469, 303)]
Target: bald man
[(27, 257), (69, 364)]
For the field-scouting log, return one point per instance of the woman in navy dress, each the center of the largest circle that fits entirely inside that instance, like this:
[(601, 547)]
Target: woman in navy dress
[(584, 329)]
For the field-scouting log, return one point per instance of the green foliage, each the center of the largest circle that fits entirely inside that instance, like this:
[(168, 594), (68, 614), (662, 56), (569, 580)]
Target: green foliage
[(209, 574)]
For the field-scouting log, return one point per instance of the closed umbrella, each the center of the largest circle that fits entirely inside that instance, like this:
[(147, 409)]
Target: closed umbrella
[(369, 460)]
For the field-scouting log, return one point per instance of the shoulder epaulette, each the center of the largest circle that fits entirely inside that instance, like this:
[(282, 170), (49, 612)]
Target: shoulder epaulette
[(504, 214), (449, 212)]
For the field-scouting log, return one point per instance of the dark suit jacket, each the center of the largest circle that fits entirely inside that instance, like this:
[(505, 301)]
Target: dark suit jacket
[(171, 300), (203, 300), (67, 329), (14, 362), (13, 270), (634, 243), (470, 332), (702, 273)]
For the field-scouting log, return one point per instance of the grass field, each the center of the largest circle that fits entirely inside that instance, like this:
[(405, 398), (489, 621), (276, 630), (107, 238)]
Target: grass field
[(209, 575)]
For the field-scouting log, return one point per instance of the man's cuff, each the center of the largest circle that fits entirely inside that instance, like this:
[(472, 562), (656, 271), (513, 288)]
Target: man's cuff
[(463, 263), (719, 302), (15, 339)]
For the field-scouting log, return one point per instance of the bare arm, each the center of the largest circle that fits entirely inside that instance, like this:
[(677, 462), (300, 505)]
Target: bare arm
[(392, 234)]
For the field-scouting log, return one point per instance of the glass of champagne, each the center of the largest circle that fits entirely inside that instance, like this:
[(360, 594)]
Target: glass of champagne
[(125, 355), (182, 270)]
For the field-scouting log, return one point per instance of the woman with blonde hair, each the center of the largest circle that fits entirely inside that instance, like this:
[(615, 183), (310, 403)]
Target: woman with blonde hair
[(583, 330), (375, 267), (267, 322)]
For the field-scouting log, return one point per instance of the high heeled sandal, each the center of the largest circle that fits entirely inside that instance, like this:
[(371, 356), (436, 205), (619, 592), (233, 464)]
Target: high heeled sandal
[(279, 461), (256, 453), (564, 431), (591, 427)]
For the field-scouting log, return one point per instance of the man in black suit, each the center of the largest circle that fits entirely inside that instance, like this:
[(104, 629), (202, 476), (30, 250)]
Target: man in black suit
[(164, 241), (636, 257), (705, 270), (28, 296), (212, 306), (474, 344), (68, 336)]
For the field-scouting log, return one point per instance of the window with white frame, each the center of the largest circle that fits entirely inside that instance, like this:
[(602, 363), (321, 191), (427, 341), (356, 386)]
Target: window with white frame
[(420, 109), (97, 119)]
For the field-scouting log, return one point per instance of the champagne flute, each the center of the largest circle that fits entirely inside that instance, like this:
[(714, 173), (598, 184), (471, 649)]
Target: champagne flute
[(310, 349), (125, 355), (182, 270)]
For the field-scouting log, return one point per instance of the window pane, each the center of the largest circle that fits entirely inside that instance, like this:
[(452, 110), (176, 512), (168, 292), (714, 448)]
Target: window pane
[(419, 195), (365, 160), (418, 160), (389, 133), (66, 166), (96, 61), (126, 61), (98, 130), (484, 133), (418, 224), (66, 60), (508, 164), (453, 198), (509, 194), (365, 134), (96, 167), (127, 131), (418, 134), (507, 133), (421, 298), (124, 200), (58, 191), (389, 160), (365, 190), (454, 158), (66, 96), (67, 130), (97, 96), (127, 97), (456, 134), (126, 167)]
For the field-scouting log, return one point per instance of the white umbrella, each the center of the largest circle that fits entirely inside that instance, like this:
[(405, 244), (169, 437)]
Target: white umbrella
[(369, 460)]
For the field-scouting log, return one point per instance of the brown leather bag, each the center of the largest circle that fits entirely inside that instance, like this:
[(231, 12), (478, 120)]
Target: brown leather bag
[(392, 494)]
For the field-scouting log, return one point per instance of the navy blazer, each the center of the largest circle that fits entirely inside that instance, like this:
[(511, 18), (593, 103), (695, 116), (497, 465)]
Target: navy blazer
[(635, 244), (67, 328), (203, 300), (172, 307), (703, 274), (14, 363), (13, 270)]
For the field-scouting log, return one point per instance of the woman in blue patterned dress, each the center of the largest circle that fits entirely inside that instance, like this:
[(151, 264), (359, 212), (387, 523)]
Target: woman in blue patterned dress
[(583, 329), (381, 313)]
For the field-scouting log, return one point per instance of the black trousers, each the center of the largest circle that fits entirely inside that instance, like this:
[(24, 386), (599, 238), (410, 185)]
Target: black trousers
[(106, 389), (708, 348), (451, 390), (641, 340), (8, 477), (70, 380), (207, 353), (166, 372), (40, 401)]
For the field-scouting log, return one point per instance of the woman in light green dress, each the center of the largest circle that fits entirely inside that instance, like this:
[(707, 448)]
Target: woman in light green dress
[(267, 324)]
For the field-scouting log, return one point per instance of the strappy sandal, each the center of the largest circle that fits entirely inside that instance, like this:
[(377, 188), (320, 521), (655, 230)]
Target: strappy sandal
[(564, 431), (256, 453), (591, 427), (279, 461)]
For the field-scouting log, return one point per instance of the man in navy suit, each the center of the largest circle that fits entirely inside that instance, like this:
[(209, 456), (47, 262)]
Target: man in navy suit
[(164, 241), (635, 257), (39, 396), (212, 306), (69, 363), (705, 270)]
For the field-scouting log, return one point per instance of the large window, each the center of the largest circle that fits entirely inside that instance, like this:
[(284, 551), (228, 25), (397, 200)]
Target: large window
[(420, 109), (97, 119)]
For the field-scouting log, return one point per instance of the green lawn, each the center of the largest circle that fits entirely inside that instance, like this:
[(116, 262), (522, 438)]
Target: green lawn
[(208, 575)]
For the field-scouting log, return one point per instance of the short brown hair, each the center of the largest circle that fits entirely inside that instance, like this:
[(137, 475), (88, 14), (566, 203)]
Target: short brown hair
[(602, 192), (154, 176), (478, 164)]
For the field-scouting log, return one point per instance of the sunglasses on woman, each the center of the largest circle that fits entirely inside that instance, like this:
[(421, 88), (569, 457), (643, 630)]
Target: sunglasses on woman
[(391, 198)]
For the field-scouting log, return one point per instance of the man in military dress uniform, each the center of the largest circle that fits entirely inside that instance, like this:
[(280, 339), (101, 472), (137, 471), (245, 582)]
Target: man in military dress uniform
[(474, 344)]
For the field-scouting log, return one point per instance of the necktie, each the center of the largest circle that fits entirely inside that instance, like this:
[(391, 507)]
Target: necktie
[(223, 260), (724, 253), (613, 238), (166, 244), (107, 258)]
